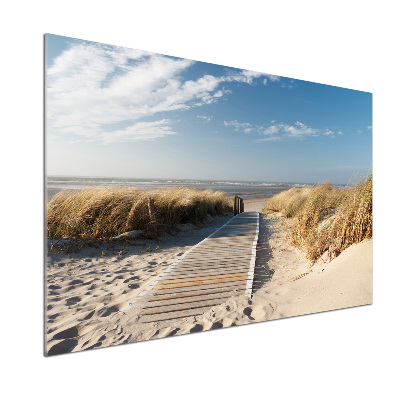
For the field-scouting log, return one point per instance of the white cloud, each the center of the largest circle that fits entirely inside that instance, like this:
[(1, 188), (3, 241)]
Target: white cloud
[(91, 85), (204, 118), (94, 89), (271, 130), (270, 139), (249, 77), (278, 131), (139, 131), (246, 76), (299, 130), (273, 78), (245, 127)]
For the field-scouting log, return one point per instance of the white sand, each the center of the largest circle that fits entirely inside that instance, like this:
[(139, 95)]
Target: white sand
[(87, 290)]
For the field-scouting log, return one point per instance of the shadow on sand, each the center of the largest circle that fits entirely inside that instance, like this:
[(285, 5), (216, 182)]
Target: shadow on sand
[(262, 273)]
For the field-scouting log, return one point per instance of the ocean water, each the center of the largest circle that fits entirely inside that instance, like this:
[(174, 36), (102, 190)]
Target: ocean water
[(244, 189)]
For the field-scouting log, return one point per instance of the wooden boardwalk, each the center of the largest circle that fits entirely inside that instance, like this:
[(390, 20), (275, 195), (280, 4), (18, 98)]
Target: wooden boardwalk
[(217, 268)]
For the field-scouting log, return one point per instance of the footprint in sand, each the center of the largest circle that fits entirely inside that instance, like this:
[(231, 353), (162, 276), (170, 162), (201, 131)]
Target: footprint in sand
[(54, 287), (109, 311), (197, 328), (98, 344), (217, 325), (133, 286), (67, 333), (75, 282), (73, 300), (66, 346), (90, 315), (174, 332), (133, 278), (121, 271), (247, 311)]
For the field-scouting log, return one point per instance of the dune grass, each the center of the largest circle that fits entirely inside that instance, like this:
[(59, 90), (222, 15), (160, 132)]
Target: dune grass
[(326, 218), (289, 202), (104, 212)]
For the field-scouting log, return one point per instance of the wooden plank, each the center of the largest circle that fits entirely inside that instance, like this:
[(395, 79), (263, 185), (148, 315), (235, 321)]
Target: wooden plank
[(200, 279), (204, 270), (231, 237), (226, 244), (219, 272), (223, 257), (213, 277), (200, 263), (184, 303), (217, 286), (210, 267), (233, 290), (163, 285), (216, 252), (201, 268), (218, 249), (201, 283), (181, 307), (234, 233)]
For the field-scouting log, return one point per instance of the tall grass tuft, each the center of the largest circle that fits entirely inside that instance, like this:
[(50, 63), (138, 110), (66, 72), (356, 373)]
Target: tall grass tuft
[(104, 212), (353, 220), (289, 202), (326, 218)]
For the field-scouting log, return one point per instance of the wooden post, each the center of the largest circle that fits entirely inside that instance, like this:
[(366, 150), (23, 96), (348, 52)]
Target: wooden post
[(241, 205), (152, 211), (235, 205)]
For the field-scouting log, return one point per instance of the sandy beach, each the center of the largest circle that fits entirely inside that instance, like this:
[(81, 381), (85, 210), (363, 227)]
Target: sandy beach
[(87, 290)]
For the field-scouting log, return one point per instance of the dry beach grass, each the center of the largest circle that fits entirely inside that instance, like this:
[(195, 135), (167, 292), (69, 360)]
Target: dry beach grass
[(326, 218), (104, 212)]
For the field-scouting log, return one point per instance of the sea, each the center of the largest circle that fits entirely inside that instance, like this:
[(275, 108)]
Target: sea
[(244, 189)]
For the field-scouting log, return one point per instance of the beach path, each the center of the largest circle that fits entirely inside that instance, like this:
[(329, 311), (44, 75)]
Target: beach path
[(217, 268)]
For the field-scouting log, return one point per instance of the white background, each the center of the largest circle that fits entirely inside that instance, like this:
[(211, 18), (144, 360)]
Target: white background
[(346, 354)]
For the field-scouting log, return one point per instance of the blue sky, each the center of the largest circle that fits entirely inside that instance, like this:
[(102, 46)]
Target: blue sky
[(113, 111)]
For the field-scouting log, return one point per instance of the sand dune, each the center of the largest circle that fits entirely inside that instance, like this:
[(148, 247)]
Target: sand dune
[(87, 290)]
